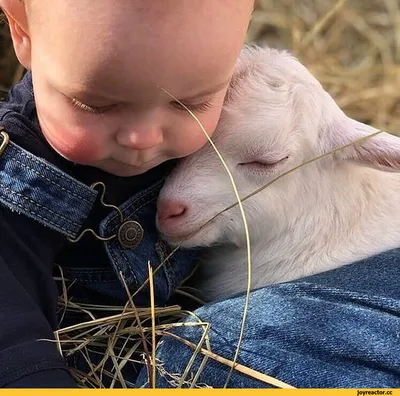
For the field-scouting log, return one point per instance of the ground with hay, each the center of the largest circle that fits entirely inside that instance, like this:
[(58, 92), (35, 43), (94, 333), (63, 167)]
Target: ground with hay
[(353, 48)]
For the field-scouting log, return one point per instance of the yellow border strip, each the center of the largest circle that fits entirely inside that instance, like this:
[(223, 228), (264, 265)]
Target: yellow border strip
[(164, 392)]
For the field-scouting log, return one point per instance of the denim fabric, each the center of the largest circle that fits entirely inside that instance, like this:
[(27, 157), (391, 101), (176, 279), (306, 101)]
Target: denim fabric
[(336, 329), (35, 188), (142, 208)]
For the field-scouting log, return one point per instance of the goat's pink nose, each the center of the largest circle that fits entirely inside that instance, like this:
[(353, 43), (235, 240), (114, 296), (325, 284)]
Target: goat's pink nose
[(167, 210)]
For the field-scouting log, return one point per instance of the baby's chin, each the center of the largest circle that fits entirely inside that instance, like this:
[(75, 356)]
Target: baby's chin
[(122, 170)]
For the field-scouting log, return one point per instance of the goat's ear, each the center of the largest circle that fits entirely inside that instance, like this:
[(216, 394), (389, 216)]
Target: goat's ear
[(381, 151), (246, 65)]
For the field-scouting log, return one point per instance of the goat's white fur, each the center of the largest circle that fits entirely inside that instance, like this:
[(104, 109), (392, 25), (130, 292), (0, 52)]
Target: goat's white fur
[(324, 215)]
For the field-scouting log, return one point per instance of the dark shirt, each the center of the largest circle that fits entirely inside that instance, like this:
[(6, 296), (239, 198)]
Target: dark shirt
[(28, 293)]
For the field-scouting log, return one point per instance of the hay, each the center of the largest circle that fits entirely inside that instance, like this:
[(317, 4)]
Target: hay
[(121, 336), (354, 53), (353, 48)]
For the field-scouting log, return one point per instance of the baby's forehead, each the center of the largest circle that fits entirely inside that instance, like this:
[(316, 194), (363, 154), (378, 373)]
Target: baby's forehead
[(119, 47), (170, 28)]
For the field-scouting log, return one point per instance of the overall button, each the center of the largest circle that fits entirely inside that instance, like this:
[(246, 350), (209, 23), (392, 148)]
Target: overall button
[(130, 234)]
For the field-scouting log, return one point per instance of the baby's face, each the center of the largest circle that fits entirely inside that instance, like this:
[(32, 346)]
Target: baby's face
[(99, 67)]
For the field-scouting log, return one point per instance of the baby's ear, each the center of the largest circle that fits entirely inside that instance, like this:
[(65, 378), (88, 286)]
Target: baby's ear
[(381, 151), (17, 19)]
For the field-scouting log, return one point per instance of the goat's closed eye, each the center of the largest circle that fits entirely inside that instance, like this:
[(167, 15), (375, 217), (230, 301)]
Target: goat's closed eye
[(261, 165)]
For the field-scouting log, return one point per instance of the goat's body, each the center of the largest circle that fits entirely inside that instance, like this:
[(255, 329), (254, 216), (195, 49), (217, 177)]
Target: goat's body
[(356, 217)]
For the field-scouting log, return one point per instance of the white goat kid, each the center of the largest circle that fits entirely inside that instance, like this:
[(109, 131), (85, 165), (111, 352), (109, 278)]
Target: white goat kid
[(326, 214)]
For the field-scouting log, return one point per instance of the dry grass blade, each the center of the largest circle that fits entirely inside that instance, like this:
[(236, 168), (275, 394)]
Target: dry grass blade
[(197, 350), (189, 295), (142, 336), (233, 365), (319, 25), (246, 229), (118, 336), (298, 167), (153, 328)]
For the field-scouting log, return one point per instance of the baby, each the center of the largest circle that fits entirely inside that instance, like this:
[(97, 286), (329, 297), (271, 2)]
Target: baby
[(94, 108)]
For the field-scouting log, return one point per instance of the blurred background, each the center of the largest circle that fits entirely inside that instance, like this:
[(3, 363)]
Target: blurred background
[(352, 47)]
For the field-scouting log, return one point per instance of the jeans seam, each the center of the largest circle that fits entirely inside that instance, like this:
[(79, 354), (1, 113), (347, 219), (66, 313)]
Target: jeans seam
[(48, 167), (115, 261), (49, 180), (163, 253), (39, 206), (87, 278), (116, 257), (354, 298)]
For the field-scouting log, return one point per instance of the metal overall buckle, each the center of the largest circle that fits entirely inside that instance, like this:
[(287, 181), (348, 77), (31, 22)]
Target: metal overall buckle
[(129, 233), (5, 140)]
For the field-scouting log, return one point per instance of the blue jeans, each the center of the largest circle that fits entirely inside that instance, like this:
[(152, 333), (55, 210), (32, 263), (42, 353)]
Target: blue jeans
[(336, 329)]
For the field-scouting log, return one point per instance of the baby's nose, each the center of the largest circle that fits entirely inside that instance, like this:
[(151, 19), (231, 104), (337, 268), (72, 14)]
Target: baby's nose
[(140, 138)]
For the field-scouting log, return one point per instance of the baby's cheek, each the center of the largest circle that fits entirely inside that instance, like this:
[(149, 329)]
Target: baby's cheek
[(194, 137), (74, 143)]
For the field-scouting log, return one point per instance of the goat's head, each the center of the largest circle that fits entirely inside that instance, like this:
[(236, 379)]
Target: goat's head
[(276, 116)]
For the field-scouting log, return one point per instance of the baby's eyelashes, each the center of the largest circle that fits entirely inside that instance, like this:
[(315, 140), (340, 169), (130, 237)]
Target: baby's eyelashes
[(91, 109), (198, 107)]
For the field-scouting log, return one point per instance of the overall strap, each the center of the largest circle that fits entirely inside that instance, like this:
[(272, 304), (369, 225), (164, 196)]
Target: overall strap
[(35, 188)]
